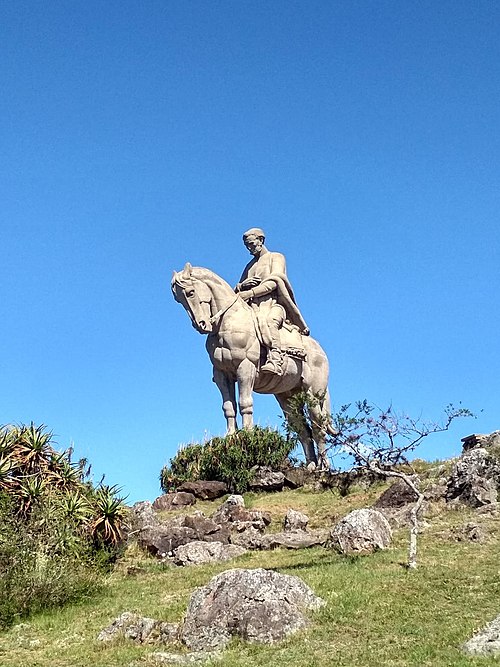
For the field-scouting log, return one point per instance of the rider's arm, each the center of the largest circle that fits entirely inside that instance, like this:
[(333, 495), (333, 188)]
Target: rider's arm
[(278, 267)]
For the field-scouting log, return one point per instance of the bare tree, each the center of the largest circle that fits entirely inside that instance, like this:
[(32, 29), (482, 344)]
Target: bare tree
[(380, 441)]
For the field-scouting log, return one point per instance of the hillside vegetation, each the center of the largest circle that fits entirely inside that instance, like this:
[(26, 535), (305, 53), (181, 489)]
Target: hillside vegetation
[(377, 612)]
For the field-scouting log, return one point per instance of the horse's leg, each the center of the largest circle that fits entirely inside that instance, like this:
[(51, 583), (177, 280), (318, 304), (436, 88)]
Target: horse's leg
[(319, 410), (301, 427), (245, 374), (227, 390)]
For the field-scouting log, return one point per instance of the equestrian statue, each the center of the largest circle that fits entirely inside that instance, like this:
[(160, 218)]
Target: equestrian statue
[(258, 340)]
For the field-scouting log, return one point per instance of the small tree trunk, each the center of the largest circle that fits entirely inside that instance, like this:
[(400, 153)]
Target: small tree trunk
[(412, 549)]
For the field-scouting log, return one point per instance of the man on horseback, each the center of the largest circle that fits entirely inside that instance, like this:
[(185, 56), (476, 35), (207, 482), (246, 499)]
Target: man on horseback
[(264, 284)]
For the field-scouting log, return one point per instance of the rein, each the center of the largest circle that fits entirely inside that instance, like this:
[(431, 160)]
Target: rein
[(222, 311)]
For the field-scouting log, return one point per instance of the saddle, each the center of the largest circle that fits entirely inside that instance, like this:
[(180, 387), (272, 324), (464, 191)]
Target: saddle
[(290, 339)]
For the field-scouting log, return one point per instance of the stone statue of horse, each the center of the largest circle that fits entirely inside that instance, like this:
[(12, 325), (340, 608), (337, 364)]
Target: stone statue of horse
[(236, 355)]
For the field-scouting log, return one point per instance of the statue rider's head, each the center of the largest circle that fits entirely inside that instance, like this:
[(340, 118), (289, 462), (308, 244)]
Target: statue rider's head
[(254, 240)]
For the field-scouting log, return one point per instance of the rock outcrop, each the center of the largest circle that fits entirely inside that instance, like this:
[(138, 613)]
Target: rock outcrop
[(475, 479), (486, 642), (361, 531), (196, 553), (256, 605)]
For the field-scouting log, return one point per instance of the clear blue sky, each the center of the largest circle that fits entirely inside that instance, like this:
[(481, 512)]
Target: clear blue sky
[(135, 136)]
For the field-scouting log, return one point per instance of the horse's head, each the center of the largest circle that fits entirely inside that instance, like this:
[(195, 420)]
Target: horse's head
[(195, 295)]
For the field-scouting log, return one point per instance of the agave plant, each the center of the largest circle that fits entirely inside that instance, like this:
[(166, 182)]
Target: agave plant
[(76, 507), (30, 491), (33, 448), (110, 514)]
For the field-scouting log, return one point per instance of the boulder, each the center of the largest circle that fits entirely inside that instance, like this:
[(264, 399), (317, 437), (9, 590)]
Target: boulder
[(296, 477), (164, 538), (295, 521), (174, 501), (474, 479), (142, 515), (296, 539), (483, 440), (140, 629), (199, 552), (361, 531), (266, 479), (204, 489), (207, 529), (234, 513), (397, 495), (193, 658), (486, 642), (250, 538), (256, 605)]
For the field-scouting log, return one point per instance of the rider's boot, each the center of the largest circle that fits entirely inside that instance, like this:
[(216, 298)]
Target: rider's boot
[(274, 362)]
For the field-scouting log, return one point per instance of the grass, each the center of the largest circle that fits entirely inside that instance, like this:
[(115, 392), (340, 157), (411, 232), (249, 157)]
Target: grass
[(377, 612)]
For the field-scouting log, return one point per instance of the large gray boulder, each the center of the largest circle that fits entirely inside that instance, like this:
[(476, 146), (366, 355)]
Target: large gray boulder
[(196, 553), (361, 531), (486, 642), (474, 479), (204, 489), (174, 501), (256, 605), (266, 479), (142, 515)]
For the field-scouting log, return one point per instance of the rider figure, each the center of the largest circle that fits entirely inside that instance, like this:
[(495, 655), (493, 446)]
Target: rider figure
[(264, 284)]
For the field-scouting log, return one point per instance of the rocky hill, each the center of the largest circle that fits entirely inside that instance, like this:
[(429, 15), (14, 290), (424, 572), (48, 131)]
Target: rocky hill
[(309, 576)]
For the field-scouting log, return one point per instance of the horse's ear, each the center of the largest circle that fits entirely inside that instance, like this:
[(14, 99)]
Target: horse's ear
[(187, 269)]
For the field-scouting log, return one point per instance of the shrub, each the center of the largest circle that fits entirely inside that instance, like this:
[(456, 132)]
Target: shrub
[(45, 561), (227, 459), (57, 530)]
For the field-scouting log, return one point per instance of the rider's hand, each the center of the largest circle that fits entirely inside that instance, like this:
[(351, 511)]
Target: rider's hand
[(246, 294), (250, 282)]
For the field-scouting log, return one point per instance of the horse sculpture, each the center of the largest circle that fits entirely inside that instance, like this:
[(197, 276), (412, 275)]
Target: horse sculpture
[(236, 355)]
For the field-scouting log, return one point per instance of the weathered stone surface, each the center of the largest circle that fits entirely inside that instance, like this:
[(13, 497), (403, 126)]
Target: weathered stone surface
[(296, 539), (163, 539), (474, 479), (173, 501), (140, 629), (266, 479), (296, 477), (142, 515), (257, 605), (233, 512), (263, 284), (361, 531), (437, 491), (207, 529), (295, 521), (485, 642), (204, 489), (250, 538), (397, 495), (483, 440), (193, 658), (401, 517), (199, 552)]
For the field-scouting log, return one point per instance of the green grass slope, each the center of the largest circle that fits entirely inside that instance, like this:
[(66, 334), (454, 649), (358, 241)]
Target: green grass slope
[(377, 612)]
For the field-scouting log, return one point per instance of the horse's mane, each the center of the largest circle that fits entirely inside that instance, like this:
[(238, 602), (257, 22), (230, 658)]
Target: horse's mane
[(183, 279)]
